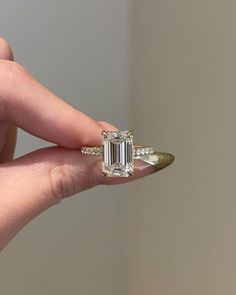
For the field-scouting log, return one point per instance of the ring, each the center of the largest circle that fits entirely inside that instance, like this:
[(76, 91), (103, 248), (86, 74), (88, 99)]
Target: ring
[(119, 152)]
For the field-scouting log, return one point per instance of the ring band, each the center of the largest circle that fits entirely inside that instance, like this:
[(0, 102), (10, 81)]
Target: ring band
[(119, 152), (137, 151)]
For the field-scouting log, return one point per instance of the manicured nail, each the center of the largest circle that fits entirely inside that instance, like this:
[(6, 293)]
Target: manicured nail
[(144, 166), (157, 160), (149, 164)]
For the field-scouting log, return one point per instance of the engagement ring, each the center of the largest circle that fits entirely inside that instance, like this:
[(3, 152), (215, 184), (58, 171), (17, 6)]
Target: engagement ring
[(119, 152)]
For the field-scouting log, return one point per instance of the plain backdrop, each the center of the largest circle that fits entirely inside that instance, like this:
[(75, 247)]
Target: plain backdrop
[(167, 69)]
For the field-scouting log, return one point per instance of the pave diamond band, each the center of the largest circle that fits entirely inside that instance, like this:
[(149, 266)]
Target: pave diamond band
[(98, 151)]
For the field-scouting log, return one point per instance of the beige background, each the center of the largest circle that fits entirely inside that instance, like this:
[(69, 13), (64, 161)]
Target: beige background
[(174, 62), (183, 222)]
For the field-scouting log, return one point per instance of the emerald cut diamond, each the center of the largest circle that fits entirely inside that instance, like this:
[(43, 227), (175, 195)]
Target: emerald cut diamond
[(117, 147)]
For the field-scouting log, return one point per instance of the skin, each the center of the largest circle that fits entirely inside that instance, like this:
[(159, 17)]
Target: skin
[(34, 182)]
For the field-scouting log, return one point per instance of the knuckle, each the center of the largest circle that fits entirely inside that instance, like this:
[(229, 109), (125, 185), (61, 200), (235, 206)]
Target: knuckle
[(67, 179), (61, 183), (11, 71)]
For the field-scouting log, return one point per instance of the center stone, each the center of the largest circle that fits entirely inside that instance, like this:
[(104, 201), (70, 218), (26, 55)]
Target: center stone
[(117, 153)]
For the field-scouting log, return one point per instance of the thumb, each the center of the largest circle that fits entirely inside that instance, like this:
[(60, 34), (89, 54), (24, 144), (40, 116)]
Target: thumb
[(34, 182)]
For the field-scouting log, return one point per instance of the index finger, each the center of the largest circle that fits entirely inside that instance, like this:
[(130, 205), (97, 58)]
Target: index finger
[(32, 107)]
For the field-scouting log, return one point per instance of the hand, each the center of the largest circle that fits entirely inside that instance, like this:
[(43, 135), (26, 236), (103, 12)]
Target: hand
[(34, 182)]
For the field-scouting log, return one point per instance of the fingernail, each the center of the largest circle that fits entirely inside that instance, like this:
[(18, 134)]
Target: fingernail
[(154, 162), (144, 166), (157, 160)]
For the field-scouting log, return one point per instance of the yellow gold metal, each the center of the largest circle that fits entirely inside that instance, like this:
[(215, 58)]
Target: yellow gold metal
[(131, 132)]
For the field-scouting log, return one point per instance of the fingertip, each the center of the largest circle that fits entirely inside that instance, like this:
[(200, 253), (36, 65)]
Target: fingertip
[(107, 126), (5, 50)]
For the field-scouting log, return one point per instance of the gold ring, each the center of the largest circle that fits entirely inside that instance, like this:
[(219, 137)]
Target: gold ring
[(119, 153)]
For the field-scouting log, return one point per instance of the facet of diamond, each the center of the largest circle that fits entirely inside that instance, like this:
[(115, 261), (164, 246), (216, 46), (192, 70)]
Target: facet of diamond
[(117, 153), (138, 152)]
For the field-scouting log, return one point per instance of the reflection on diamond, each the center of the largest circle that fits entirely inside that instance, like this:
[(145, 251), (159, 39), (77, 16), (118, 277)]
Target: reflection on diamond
[(117, 153)]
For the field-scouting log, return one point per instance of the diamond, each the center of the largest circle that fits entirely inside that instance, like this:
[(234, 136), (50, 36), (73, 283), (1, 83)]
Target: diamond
[(117, 153)]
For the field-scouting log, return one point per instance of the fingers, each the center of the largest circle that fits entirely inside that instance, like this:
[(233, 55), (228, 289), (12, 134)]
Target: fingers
[(7, 130), (29, 105), (106, 125), (43, 178)]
